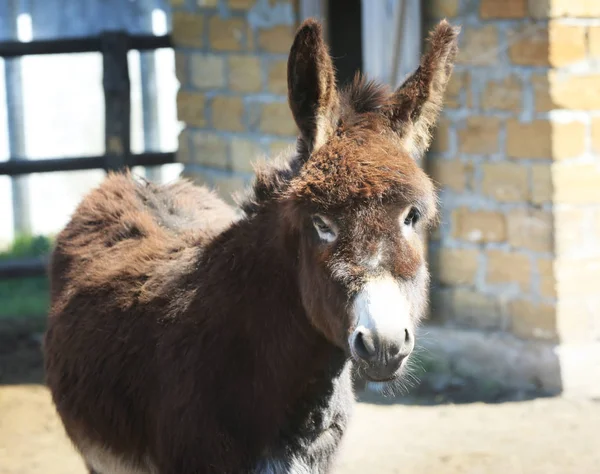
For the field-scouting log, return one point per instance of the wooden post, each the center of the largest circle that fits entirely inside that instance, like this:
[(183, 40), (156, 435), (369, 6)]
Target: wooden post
[(117, 99)]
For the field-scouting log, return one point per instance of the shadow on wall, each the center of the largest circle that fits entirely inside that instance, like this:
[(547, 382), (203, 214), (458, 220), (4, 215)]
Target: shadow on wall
[(461, 366)]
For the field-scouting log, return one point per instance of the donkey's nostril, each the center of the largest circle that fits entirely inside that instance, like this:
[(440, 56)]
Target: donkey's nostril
[(399, 348), (364, 345)]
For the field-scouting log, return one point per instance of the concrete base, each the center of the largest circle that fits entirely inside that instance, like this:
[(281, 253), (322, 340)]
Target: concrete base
[(570, 370)]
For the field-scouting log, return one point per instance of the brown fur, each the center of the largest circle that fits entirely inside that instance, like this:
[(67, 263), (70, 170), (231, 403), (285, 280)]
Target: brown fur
[(185, 340)]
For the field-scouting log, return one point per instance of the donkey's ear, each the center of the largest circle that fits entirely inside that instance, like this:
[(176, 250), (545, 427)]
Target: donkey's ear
[(312, 92), (417, 103)]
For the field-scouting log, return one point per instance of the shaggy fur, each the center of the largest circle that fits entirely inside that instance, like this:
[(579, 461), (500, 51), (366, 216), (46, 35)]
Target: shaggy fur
[(184, 340)]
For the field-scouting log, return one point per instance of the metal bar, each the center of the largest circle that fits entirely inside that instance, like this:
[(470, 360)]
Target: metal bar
[(15, 114), (150, 105), (20, 167), (149, 42), (23, 267), (117, 100), (11, 49)]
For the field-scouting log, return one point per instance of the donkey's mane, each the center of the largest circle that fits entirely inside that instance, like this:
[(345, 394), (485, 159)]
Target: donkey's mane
[(363, 95)]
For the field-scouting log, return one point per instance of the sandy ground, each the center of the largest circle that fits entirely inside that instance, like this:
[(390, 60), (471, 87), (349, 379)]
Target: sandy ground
[(540, 436)]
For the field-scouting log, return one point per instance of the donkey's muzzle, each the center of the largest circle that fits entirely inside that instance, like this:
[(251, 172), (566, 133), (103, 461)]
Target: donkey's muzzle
[(381, 355), (384, 333)]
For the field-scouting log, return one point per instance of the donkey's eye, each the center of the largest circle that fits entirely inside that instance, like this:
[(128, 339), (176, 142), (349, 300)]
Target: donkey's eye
[(412, 217), (324, 228)]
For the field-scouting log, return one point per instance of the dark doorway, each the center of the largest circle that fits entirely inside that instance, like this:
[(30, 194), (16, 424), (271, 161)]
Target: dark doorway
[(345, 37)]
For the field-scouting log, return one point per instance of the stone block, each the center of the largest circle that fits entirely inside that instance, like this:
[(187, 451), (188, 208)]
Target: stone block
[(277, 39), (596, 135), (440, 308), (183, 147), (479, 135), (505, 182), (567, 44), (505, 94), (226, 34), (455, 266), (441, 8), (188, 29), (459, 81), (478, 225), (241, 4), (276, 119), (245, 73), (277, 147), (576, 321), (575, 91), (531, 229), (209, 149), (545, 269), (278, 77), (229, 187), (181, 68), (191, 108), (244, 153), (542, 96), (576, 183), (228, 113), (533, 320), (479, 46), (475, 310), (451, 174), (594, 41), (571, 230), (508, 267), (207, 71), (441, 133), (541, 184), (507, 9)]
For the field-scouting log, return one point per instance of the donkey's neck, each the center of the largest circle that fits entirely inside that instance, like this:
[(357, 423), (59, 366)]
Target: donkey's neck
[(296, 383), (253, 270)]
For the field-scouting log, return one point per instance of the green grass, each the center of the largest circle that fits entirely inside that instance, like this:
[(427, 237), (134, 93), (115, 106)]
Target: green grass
[(25, 297)]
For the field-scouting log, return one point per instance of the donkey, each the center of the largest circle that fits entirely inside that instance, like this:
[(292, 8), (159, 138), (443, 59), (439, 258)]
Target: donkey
[(184, 338)]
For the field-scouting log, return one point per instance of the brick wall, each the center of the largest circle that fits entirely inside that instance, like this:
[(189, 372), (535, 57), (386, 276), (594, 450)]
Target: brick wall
[(231, 58), (517, 157)]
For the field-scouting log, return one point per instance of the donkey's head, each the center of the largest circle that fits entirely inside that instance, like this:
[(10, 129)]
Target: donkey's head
[(356, 200)]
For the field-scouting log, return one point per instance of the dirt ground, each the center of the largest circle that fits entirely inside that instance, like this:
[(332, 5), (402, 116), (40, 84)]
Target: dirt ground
[(549, 436), (417, 435)]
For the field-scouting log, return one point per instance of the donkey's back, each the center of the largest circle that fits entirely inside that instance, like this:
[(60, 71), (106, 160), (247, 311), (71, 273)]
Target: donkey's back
[(118, 273), (130, 229)]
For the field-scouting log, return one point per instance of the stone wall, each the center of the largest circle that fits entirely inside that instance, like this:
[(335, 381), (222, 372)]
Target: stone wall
[(516, 258), (517, 160), (231, 58)]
